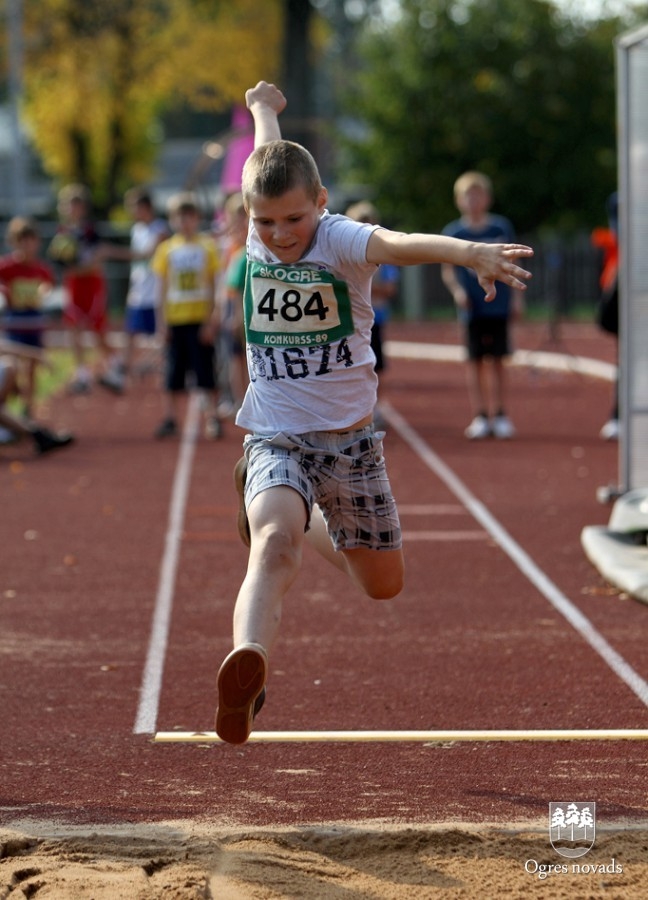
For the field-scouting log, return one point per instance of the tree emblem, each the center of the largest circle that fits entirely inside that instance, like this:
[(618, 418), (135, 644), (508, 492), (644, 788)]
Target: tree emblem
[(572, 828)]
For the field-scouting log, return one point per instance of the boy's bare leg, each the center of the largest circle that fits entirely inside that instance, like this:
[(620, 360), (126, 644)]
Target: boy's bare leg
[(30, 389), (277, 519), (77, 347), (478, 385), (379, 573), (499, 384), (82, 377), (14, 424), (107, 353), (170, 405)]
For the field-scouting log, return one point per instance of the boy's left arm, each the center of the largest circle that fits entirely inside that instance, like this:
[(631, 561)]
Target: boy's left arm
[(209, 328), (518, 306), (160, 270), (491, 262), (265, 102)]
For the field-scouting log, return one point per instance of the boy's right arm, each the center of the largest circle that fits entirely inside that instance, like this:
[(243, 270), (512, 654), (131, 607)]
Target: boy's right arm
[(265, 102), (450, 280), (491, 262)]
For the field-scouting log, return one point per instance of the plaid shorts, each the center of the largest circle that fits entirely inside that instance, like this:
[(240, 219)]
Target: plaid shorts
[(343, 472)]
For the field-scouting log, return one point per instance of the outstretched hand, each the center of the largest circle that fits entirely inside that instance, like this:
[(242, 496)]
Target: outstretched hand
[(496, 262), (267, 95)]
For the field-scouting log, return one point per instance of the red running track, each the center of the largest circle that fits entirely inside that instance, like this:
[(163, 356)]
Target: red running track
[(472, 643)]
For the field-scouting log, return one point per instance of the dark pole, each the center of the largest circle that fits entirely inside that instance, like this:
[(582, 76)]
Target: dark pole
[(296, 82), (15, 35)]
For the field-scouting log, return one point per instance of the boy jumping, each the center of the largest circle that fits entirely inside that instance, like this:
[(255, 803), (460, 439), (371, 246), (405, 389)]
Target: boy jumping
[(313, 463)]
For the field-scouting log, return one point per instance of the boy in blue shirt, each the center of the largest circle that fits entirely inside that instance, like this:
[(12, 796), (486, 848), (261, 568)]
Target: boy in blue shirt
[(486, 321)]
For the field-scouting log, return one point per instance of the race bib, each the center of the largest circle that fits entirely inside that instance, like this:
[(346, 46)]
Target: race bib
[(186, 286), (25, 293), (292, 306)]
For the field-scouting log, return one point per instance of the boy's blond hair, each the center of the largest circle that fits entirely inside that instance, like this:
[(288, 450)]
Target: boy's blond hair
[(184, 201), (138, 195), (277, 167), (234, 205), (473, 179), (364, 211), (19, 228), (71, 192)]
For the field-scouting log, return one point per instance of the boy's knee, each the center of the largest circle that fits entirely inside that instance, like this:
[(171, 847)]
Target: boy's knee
[(380, 575), (276, 547), (385, 590), (385, 585)]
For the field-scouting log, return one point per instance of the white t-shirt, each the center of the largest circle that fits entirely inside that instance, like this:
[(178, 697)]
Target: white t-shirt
[(143, 284), (308, 331)]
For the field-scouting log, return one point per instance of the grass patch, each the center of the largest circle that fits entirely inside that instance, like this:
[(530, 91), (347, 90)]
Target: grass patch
[(49, 381)]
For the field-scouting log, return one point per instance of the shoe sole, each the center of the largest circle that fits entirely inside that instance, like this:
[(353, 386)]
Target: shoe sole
[(240, 473), (57, 445), (162, 432), (241, 681), (110, 386), (478, 437)]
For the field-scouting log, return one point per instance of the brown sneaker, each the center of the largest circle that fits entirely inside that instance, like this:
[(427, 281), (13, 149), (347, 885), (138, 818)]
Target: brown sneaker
[(240, 476), (241, 685)]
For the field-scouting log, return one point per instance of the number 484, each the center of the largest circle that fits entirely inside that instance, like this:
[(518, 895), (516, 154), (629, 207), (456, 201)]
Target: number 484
[(289, 306)]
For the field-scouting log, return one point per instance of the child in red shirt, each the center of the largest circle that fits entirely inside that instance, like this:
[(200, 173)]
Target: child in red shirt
[(24, 282), (77, 249)]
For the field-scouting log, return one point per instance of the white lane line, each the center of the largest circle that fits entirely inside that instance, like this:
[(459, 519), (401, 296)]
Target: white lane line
[(539, 359), (147, 711), (432, 509), (445, 536), (519, 556)]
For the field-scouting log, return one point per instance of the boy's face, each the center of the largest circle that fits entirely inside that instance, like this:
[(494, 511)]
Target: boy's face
[(27, 246), (140, 212), (186, 221), (236, 226), (474, 201), (72, 212), (287, 224)]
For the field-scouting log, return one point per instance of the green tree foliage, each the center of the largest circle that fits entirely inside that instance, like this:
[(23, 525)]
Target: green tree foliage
[(98, 73), (514, 89)]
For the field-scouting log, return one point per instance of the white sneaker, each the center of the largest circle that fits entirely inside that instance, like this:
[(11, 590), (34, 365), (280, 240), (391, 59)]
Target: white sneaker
[(6, 436), (478, 429), (213, 428), (112, 381), (610, 431), (503, 428)]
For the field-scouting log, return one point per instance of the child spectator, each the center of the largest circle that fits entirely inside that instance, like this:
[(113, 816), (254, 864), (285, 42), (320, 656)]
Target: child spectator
[(14, 428), (384, 289), (25, 281), (230, 302), (313, 462), (187, 264), (486, 323), (607, 240), (77, 251), (147, 232)]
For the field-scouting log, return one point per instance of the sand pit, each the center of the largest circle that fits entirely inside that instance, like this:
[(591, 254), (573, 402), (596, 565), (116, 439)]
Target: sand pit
[(197, 861)]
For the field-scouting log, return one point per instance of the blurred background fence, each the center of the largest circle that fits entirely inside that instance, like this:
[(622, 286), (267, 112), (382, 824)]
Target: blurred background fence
[(564, 283)]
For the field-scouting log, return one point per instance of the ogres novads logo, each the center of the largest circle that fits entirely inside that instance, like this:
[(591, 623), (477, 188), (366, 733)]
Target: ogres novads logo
[(572, 827)]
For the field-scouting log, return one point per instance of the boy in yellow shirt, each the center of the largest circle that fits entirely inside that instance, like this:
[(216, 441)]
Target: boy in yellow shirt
[(187, 264)]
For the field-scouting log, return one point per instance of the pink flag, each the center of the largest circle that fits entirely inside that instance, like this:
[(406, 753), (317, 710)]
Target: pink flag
[(238, 150)]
